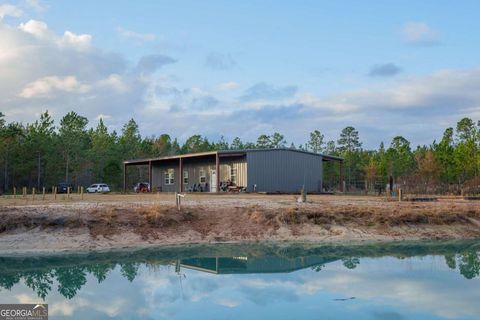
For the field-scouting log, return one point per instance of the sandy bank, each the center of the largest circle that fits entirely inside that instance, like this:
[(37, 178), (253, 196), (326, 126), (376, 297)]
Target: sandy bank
[(116, 221)]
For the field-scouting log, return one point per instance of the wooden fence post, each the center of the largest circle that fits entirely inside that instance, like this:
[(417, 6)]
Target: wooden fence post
[(81, 191), (33, 194), (68, 192), (55, 193), (43, 193), (14, 192), (399, 194)]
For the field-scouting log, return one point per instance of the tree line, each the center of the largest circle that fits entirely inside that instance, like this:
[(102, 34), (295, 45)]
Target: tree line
[(43, 153)]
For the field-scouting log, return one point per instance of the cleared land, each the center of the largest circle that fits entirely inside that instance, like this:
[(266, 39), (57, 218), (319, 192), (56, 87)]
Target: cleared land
[(138, 220)]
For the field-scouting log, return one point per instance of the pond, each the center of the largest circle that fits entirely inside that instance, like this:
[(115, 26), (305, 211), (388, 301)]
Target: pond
[(403, 280)]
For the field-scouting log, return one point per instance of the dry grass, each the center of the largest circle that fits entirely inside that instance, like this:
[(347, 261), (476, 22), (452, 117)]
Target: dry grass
[(104, 221), (261, 216), (9, 221), (146, 221), (245, 217), (367, 216)]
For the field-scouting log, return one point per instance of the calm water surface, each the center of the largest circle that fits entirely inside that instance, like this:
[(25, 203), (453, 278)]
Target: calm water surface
[(434, 280)]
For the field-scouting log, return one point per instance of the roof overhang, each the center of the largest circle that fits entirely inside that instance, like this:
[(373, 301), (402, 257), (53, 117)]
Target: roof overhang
[(221, 154), (175, 157), (331, 158)]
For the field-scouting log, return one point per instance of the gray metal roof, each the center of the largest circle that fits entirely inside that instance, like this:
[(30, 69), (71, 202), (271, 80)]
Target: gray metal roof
[(172, 157), (285, 149), (220, 152)]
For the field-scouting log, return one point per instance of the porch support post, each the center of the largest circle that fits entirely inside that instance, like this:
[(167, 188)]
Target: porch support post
[(217, 168), (124, 178), (150, 175), (342, 177), (180, 174)]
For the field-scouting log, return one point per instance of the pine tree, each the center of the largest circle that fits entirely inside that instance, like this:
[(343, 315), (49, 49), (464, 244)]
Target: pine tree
[(349, 146), (316, 142), (264, 142), (237, 144), (277, 140), (73, 140)]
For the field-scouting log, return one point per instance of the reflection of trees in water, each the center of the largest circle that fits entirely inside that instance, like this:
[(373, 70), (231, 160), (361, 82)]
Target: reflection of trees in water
[(350, 263), (468, 263), (70, 279), (100, 271), (69, 273), (40, 282), (129, 270), (8, 281), (318, 267)]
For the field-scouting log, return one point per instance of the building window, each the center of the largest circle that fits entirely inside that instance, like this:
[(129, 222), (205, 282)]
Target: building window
[(185, 177), (203, 176), (170, 177), (233, 175)]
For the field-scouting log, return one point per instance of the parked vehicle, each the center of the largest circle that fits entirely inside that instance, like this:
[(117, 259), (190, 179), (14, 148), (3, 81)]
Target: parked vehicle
[(142, 187), (62, 187), (98, 187)]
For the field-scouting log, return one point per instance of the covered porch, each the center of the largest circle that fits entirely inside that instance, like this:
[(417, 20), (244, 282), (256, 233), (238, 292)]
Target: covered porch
[(330, 177), (196, 172)]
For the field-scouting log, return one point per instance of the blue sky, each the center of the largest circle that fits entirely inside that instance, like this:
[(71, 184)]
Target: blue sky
[(243, 68)]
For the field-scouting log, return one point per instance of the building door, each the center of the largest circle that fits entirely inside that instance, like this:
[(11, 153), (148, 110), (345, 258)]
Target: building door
[(213, 181)]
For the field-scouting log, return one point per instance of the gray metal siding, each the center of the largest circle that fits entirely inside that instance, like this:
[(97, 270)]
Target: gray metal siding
[(158, 177), (284, 171)]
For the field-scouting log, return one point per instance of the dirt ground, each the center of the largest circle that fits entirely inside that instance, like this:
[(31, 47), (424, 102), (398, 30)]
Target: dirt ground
[(139, 220)]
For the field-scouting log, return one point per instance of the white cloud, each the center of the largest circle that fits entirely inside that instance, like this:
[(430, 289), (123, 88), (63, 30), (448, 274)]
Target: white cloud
[(9, 10), (419, 33), (37, 28), (401, 291), (452, 88), (128, 34), (26, 299), (114, 81), (44, 87), (228, 86), (102, 116), (80, 40), (37, 63), (197, 91), (230, 303), (36, 5), (443, 97)]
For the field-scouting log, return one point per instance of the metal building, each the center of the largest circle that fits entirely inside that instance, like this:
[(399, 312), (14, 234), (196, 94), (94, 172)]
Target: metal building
[(256, 170)]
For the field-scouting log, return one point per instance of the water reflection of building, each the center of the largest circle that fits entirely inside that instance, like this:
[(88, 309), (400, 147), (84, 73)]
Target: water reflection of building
[(71, 272), (236, 265)]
